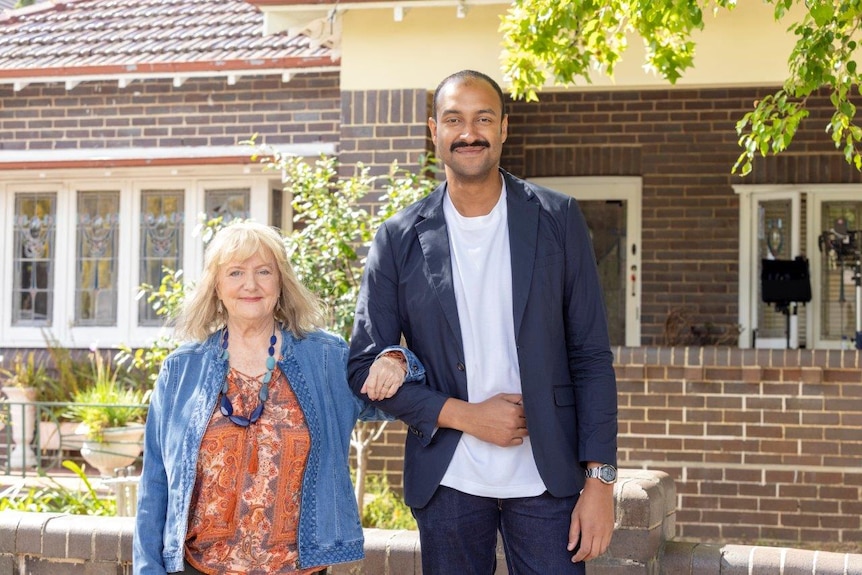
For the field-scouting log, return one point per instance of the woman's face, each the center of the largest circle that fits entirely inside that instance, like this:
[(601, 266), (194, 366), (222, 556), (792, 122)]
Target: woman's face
[(249, 289)]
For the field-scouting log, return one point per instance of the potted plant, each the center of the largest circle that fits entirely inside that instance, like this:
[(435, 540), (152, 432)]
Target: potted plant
[(22, 387), (110, 413), (56, 430)]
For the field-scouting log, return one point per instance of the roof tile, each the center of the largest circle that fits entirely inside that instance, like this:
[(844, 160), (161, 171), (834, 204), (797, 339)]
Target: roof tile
[(106, 36)]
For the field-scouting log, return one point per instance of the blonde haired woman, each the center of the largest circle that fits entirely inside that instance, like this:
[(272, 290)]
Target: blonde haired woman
[(245, 456)]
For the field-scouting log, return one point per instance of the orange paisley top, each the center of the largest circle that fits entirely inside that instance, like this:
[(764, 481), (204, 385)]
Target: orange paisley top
[(244, 512)]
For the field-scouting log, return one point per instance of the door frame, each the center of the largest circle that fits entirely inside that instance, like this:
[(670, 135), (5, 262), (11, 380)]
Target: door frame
[(619, 188)]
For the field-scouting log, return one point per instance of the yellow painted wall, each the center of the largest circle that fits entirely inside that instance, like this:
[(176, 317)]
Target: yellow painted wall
[(739, 48)]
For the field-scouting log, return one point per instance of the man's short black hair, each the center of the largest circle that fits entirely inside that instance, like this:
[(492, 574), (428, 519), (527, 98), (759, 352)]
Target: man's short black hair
[(465, 74)]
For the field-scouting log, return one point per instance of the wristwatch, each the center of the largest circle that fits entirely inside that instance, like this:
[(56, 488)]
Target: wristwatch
[(604, 473)]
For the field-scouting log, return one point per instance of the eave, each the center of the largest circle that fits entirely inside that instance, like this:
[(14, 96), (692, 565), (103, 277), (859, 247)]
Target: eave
[(293, 15), (178, 72), (137, 157)]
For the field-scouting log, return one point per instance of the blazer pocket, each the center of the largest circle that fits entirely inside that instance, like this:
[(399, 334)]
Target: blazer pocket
[(564, 395)]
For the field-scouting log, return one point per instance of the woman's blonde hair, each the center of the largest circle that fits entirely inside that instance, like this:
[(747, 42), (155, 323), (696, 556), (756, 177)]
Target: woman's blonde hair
[(297, 309)]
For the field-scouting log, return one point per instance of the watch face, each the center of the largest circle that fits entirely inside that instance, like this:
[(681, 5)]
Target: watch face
[(607, 474)]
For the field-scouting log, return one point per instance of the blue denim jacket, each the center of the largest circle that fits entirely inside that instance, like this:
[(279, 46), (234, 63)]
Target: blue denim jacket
[(180, 408)]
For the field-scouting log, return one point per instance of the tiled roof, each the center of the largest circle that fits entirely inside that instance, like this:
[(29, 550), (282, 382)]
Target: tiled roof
[(147, 37)]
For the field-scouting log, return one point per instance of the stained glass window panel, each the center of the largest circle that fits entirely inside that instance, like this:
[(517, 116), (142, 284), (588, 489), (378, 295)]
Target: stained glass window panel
[(97, 244), (229, 204), (162, 219), (33, 259), (841, 221)]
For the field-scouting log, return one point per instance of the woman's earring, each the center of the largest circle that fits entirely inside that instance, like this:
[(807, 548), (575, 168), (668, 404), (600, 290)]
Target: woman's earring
[(219, 308)]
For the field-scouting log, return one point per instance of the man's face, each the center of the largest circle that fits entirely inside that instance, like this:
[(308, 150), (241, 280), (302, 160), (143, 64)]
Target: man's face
[(469, 130)]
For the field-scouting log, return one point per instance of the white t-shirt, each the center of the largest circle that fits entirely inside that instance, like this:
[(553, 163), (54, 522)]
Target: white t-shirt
[(482, 277)]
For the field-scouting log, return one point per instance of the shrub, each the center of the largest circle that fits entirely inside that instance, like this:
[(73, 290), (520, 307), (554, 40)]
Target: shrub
[(385, 509), (55, 498)]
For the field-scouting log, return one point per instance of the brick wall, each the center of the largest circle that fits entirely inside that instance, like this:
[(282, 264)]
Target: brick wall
[(379, 127), (683, 144), (201, 112), (763, 445)]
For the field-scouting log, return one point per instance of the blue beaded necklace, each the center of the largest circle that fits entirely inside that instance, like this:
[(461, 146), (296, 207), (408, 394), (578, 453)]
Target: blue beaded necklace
[(225, 406)]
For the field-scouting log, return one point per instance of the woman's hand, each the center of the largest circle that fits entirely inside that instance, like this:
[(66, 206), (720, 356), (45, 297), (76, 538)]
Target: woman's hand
[(385, 376)]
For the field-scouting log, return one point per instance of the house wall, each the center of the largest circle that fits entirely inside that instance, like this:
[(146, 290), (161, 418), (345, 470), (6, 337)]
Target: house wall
[(151, 114), (762, 445), (745, 46), (149, 133), (683, 144), (379, 127)]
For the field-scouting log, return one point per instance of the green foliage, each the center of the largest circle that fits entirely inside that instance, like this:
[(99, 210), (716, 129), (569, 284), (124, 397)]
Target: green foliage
[(563, 41), (384, 508), (70, 374), (568, 40), (26, 372), (56, 498), (332, 227), (108, 401), (823, 58)]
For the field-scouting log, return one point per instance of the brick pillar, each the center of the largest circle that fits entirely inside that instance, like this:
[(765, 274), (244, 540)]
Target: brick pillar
[(382, 126)]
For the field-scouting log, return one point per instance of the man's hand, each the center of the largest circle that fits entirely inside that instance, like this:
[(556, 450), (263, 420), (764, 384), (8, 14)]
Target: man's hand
[(385, 376), (498, 420), (592, 521)]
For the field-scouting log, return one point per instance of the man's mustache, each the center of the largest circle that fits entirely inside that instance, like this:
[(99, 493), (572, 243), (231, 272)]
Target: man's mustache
[(463, 144)]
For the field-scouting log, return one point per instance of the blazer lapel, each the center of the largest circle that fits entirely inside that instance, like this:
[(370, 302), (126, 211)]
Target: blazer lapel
[(523, 230), (434, 240)]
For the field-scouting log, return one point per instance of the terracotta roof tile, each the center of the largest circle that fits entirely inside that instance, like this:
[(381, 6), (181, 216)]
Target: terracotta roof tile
[(89, 37)]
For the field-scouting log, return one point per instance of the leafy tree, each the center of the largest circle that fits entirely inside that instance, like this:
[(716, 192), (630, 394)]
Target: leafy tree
[(565, 40)]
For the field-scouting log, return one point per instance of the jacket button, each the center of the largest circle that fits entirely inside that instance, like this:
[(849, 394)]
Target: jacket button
[(460, 366)]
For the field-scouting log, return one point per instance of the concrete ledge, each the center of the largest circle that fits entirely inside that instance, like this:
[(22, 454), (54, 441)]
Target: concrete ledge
[(45, 543), (696, 559)]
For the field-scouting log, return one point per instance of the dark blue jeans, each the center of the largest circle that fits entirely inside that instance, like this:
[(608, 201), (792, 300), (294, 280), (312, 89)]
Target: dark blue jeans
[(458, 534)]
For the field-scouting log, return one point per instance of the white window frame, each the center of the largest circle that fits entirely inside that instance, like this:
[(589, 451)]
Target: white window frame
[(629, 189), (850, 192), (195, 180), (749, 258), (815, 195)]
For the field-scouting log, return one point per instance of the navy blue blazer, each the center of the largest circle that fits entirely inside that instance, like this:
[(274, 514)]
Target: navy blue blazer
[(566, 365)]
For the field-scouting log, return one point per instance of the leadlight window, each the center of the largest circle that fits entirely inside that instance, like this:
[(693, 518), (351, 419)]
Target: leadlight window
[(229, 204), (33, 259), (774, 226), (97, 249), (838, 280), (161, 231)]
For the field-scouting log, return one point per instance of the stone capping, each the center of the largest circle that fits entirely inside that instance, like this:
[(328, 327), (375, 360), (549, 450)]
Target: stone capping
[(695, 559), (32, 543)]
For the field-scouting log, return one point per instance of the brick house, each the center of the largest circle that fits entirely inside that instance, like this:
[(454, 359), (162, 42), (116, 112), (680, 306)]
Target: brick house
[(120, 124)]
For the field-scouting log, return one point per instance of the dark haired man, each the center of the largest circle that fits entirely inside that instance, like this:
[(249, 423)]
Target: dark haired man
[(492, 283)]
